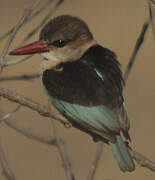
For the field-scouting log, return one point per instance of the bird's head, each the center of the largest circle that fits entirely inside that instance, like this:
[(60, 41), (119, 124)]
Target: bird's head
[(64, 38)]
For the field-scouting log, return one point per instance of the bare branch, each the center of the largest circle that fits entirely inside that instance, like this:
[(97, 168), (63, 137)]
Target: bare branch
[(39, 11), (17, 27), (95, 162), (63, 153), (42, 23), (45, 112), (6, 116), (6, 170), (151, 4), (153, 1), (17, 61), (143, 160), (138, 45), (59, 143), (65, 159), (27, 132), (41, 109), (21, 77)]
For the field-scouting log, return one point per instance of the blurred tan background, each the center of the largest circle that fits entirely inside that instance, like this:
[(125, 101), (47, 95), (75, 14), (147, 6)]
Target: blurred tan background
[(116, 25)]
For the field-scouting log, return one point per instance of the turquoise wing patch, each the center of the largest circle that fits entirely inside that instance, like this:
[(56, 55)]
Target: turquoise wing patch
[(99, 74), (99, 117)]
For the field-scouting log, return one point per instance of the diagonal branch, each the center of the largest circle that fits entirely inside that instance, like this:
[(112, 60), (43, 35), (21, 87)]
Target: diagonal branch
[(95, 162), (30, 18), (41, 109), (27, 132), (27, 13), (6, 170), (21, 77), (17, 61), (138, 45), (42, 23), (4, 62), (44, 111), (142, 160), (50, 140), (151, 6), (61, 147), (9, 114)]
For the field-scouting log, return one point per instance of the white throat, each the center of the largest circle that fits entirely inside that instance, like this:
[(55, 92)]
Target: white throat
[(50, 56), (65, 54)]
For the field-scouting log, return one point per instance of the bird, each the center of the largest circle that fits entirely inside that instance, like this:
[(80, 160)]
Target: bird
[(84, 82)]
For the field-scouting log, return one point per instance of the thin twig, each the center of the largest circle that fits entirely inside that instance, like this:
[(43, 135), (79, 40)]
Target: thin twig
[(17, 61), (27, 132), (27, 102), (22, 21), (45, 111), (29, 19), (138, 45), (63, 153), (142, 160), (6, 116), (95, 163), (151, 5), (59, 143), (42, 23), (6, 170), (17, 27), (20, 77), (153, 1)]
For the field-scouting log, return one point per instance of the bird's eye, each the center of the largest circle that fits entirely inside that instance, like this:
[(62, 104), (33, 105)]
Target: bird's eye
[(59, 43)]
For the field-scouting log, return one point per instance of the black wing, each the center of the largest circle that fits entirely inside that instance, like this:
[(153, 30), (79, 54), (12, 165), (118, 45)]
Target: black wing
[(80, 82)]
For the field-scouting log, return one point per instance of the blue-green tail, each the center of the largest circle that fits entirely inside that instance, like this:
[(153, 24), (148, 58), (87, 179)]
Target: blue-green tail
[(122, 155)]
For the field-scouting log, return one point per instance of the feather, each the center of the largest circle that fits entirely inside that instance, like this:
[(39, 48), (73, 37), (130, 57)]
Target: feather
[(122, 155), (98, 117)]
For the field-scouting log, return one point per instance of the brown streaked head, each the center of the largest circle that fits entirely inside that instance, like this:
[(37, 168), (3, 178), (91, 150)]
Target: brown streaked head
[(66, 28), (64, 38)]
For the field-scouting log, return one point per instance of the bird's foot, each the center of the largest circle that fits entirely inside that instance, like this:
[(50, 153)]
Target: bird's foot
[(95, 139), (127, 144), (68, 124)]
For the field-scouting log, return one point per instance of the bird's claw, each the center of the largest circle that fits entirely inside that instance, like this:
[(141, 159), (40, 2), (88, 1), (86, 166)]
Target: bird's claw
[(68, 124)]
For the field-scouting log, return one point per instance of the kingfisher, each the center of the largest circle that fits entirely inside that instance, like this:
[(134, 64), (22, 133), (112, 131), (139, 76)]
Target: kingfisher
[(84, 82)]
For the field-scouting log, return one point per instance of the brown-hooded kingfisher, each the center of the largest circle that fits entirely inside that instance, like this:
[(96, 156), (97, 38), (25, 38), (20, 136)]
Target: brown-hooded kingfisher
[(84, 83)]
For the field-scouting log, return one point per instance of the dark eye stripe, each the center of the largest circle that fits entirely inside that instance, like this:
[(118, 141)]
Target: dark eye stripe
[(58, 43)]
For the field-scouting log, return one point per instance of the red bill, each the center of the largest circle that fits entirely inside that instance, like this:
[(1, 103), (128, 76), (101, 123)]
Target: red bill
[(33, 48)]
